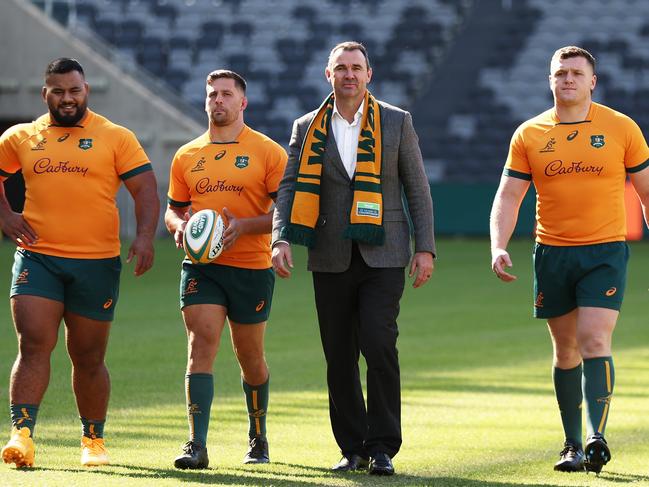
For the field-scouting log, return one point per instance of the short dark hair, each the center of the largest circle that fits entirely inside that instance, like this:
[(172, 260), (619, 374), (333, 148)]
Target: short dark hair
[(568, 52), (64, 65), (350, 46), (226, 73)]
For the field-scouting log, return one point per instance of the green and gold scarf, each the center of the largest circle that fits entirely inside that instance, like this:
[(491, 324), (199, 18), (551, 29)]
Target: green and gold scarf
[(366, 219)]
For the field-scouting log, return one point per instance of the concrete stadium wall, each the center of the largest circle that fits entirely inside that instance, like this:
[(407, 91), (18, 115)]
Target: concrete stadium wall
[(30, 40)]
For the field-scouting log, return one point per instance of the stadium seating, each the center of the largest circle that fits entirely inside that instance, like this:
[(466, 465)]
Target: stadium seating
[(282, 45), (464, 125), (512, 84)]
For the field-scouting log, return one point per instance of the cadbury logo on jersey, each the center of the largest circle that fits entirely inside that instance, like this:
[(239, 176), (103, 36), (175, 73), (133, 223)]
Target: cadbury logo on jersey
[(204, 185), (46, 166), (558, 168)]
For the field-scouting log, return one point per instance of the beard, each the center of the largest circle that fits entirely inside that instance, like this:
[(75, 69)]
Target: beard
[(222, 119), (68, 120)]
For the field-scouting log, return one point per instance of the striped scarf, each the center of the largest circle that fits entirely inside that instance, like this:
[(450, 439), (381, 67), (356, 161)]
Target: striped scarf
[(366, 218)]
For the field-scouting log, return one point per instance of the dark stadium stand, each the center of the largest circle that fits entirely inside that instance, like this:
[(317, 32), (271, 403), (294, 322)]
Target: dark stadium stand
[(470, 127), (497, 72), (270, 43), (469, 70)]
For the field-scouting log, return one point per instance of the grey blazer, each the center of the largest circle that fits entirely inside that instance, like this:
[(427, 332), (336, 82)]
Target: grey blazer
[(402, 171)]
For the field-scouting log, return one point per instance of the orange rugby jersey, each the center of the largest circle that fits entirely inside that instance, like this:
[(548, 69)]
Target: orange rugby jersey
[(72, 175), (243, 176), (578, 170)]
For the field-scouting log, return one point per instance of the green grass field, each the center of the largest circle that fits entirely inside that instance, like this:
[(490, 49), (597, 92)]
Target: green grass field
[(478, 405)]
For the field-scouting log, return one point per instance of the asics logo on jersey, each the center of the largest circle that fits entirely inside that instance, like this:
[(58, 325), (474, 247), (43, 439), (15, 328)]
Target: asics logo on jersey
[(558, 168), (40, 145), (199, 165), (108, 303), (597, 141), (260, 306), (549, 147), (220, 155), (572, 135), (538, 303), (23, 277), (45, 165), (63, 138), (611, 291)]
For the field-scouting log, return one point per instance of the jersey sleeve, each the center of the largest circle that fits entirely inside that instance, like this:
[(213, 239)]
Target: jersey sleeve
[(9, 160), (517, 164), (130, 158), (636, 156), (178, 194), (275, 167)]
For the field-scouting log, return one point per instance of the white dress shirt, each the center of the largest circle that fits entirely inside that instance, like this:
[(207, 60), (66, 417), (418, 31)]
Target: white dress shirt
[(346, 135)]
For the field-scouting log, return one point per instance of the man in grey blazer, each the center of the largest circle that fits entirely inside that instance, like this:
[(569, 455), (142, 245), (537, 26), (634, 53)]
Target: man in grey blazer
[(359, 245)]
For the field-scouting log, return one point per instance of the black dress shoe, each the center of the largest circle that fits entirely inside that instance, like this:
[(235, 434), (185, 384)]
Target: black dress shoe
[(572, 459), (380, 464), (258, 451), (351, 463), (194, 457), (597, 453)]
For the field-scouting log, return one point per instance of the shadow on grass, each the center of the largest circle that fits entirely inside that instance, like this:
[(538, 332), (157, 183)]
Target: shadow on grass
[(455, 384), (524, 386), (313, 476), (623, 478)]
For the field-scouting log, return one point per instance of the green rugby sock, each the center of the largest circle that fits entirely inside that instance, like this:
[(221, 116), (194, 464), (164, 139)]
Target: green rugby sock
[(567, 386), (24, 416), (199, 390), (598, 382), (91, 428), (257, 403)]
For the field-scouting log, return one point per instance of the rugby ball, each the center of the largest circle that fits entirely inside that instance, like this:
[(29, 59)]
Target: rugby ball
[(203, 236)]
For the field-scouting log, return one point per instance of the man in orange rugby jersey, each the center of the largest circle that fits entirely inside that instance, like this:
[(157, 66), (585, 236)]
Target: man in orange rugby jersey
[(578, 154), (235, 170), (67, 263)]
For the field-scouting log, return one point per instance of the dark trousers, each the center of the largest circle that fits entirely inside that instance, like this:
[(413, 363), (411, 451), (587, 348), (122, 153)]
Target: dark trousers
[(357, 312)]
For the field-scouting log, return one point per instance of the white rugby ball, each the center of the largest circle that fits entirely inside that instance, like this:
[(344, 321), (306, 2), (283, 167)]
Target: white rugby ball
[(203, 236)]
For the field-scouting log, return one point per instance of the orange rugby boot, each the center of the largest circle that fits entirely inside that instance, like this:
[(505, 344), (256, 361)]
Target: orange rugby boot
[(20, 448), (93, 452)]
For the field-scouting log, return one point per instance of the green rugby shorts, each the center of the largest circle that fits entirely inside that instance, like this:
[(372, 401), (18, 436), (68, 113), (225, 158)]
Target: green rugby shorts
[(246, 293), (574, 276), (87, 287)]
